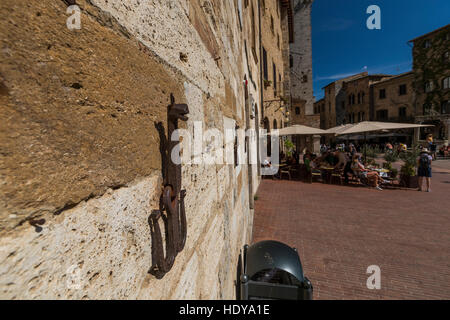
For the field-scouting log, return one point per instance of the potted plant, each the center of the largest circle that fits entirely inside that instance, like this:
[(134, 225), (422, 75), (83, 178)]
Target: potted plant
[(267, 83), (390, 158), (387, 166), (369, 152), (408, 177), (289, 148)]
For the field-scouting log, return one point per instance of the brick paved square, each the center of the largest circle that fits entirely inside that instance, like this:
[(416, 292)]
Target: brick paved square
[(340, 231)]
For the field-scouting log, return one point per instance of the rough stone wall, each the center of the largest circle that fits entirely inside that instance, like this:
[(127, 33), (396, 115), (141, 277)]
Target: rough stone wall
[(80, 165), (301, 51), (251, 73), (393, 100)]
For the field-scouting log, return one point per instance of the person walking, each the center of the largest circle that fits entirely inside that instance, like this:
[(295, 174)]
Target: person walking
[(344, 163), (424, 162)]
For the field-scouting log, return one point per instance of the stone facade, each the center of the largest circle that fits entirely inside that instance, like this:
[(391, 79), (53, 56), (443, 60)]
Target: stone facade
[(393, 99), (335, 102), (301, 63), (80, 157), (358, 98), (431, 70), (328, 115), (319, 108), (275, 54), (319, 105)]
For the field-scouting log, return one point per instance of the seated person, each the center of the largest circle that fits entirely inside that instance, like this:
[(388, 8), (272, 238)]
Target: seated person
[(402, 147), (267, 163), (310, 162), (359, 170), (389, 147), (328, 159), (342, 159), (444, 151), (290, 160), (296, 156)]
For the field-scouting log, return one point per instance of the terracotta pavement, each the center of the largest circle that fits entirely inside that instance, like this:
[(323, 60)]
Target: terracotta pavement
[(340, 231)]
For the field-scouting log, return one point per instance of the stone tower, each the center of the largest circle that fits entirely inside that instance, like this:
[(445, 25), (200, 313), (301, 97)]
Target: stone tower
[(301, 63)]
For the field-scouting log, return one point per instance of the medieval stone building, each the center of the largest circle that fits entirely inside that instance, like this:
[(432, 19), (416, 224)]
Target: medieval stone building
[(276, 20), (364, 97), (336, 106), (431, 70), (421, 95), (393, 99), (301, 73)]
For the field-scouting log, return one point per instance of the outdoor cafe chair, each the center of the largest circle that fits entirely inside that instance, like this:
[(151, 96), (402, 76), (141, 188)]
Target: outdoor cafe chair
[(295, 171), (315, 174), (285, 171), (337, 176)]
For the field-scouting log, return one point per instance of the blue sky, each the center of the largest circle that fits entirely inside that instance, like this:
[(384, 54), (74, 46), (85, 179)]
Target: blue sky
[(343, 45)]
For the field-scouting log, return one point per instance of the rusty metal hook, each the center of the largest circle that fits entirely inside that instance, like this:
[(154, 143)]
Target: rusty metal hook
[(171, 203)]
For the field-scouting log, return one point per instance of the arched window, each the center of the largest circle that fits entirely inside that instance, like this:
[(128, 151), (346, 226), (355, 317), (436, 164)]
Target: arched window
[(445, 107), (429, 86), (275, 126), (446, 56), (446, 83)]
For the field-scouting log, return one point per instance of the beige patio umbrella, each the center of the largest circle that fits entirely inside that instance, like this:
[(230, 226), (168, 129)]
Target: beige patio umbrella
[(298, 130), (370, 126), (339, 129)]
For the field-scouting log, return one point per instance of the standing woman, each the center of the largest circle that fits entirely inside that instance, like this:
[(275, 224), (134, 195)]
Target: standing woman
[(424, 162)]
